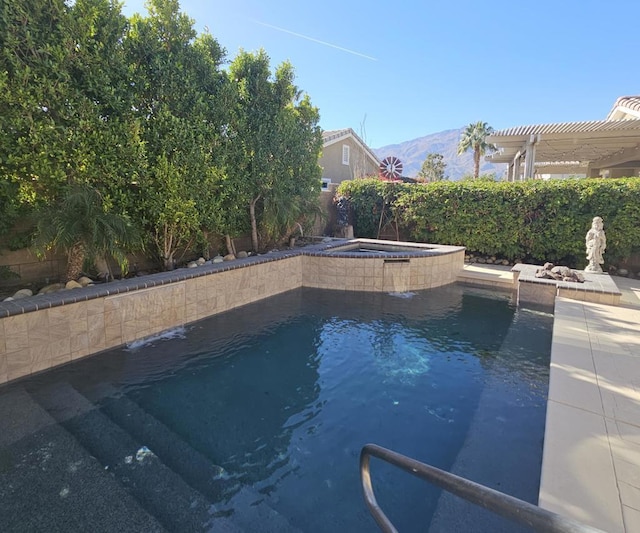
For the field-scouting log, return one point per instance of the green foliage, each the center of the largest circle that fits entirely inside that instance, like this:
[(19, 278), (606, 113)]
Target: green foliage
[(272, 147), (6, 273), (535, 221), (82, 226), (433, 168), (368, 198), (141, 111)]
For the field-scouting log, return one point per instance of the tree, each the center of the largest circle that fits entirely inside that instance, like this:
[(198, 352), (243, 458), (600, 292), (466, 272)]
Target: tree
[(432, 168), (176, 86), (82, 226), (474, 137), (272, 147), (64, 106)]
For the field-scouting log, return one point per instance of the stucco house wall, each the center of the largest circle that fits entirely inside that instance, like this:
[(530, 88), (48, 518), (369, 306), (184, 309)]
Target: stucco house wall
[(346, 157)]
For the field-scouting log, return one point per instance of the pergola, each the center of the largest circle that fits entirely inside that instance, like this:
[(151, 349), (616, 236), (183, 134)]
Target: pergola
[(596, 148)]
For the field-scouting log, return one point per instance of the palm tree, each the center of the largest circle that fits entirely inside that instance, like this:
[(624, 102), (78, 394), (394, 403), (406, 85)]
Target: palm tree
[(474, 137), (82, 226)]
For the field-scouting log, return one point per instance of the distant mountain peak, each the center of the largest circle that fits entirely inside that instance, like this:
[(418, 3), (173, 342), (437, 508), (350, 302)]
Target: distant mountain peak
[(412, 154)]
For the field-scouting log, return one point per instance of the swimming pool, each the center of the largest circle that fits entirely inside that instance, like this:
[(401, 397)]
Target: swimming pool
[(253, 420)]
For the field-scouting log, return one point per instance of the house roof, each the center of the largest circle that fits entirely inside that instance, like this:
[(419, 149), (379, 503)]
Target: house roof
[(330, 137), (625, 107)]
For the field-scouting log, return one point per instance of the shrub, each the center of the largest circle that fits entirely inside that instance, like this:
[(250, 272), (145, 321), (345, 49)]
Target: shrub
[(535, 221)]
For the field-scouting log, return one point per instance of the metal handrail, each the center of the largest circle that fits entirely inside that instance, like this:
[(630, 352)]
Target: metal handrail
[(512, 508)]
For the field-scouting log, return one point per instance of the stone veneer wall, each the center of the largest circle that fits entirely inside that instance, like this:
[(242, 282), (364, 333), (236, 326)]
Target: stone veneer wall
[(48, 331)]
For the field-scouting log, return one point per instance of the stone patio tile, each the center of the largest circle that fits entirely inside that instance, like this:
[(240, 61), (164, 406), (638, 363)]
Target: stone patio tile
[(578, 477), (574, 386), (631, 518)]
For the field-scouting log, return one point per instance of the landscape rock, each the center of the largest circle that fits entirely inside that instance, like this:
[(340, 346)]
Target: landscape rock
[(218, 259), (23, 293), (559, 273), (229, 257), (72, 284), (192, 264), (622, 272), (8, 299), (54, 287), (242, 255), (201, 261), (85, 281)]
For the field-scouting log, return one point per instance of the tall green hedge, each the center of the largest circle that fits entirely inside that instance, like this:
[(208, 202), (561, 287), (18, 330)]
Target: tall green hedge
[(535, 221)]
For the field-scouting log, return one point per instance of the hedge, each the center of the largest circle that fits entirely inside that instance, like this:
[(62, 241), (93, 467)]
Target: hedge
[(534, 221)]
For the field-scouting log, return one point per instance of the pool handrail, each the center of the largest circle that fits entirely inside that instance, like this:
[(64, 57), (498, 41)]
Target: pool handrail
[(497, 502)]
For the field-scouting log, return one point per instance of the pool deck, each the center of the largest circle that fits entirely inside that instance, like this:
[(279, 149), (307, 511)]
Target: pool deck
[(591, 459)]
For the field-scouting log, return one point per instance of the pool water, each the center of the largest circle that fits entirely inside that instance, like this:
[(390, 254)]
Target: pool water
[(253, 420)]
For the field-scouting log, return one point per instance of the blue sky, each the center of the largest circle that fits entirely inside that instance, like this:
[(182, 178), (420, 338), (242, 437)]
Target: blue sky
[(395, 71)]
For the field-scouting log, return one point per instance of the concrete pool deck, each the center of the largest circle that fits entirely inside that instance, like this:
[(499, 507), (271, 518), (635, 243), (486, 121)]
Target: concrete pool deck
[(591, 459)]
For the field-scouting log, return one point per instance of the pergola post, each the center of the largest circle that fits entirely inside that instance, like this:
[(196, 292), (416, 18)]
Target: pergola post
[(530, 157), (516, 167)]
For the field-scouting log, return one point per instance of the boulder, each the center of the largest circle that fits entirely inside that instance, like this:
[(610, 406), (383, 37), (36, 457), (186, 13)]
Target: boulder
[(54, 287), (23, 293), (84, 281), (72, 284)]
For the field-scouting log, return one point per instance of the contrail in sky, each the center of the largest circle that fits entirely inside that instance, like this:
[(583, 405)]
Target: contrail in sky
[(316, 40)]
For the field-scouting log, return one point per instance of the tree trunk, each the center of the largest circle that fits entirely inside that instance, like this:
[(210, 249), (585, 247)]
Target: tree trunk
[(75, 261), (476, 164), (231, 249), (254, 224), (168, 262)]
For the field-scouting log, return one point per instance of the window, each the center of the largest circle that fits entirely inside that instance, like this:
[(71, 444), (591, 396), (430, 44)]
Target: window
[(326, 183), (345, 154)]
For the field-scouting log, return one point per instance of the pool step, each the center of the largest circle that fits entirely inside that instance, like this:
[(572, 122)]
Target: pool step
[(245, 508), (196, 469), (76, 494), (162, 492)]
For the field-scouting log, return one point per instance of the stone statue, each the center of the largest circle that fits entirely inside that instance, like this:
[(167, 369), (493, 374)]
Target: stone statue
[(596, 242)]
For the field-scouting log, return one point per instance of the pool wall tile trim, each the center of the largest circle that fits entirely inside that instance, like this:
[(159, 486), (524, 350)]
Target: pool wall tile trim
[(42, 332)]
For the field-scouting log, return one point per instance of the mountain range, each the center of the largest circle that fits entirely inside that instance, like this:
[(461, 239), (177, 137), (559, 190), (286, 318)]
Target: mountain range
[(413, 153)]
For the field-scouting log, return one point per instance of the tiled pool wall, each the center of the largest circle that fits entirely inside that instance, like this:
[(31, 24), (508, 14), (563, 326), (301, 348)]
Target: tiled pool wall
[(42, 332)]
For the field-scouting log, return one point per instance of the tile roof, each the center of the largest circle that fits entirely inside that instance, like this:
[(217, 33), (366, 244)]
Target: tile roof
[(625, 103)]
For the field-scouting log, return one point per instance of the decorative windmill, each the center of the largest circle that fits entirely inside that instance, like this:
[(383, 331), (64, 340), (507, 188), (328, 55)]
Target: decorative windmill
[(391, 168)]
